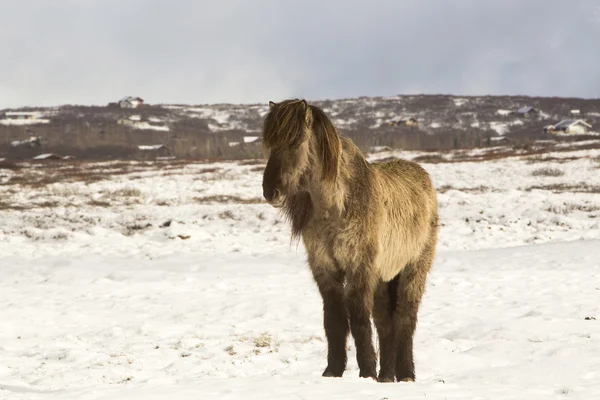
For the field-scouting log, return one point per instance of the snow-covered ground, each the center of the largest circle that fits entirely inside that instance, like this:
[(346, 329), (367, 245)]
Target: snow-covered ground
[(155, 280)]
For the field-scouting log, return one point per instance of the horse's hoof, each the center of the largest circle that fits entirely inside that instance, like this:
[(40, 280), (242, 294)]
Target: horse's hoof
[(330, 373), (406, 379), (370, 374), (385, 378)]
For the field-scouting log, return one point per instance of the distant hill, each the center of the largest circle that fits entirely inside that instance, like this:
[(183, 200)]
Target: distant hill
[(231, 130)]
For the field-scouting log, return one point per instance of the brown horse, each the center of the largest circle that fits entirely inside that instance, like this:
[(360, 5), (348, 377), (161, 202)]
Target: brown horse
[(370, 231)]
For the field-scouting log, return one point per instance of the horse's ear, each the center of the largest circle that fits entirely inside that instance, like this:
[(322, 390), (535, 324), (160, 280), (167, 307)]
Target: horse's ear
[(304, 104), (271, 105)]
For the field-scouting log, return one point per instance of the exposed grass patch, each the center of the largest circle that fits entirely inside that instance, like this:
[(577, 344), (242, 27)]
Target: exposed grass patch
[(430, 159), (540, 159), (98, 203), (230, 350), (477, 189), (10, 166), (564, 187), (264, 340), (553, 172), (135, 227), (227, 200), (568, 208), (227, 215), (4, 205), (45, 204), (252, 162)]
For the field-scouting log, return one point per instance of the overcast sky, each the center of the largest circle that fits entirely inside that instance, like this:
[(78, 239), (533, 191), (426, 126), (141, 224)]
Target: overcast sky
[(191, 51)]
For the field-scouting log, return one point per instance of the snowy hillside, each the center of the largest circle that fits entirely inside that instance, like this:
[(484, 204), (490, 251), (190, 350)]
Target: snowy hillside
[(148, 280), (217, 130)]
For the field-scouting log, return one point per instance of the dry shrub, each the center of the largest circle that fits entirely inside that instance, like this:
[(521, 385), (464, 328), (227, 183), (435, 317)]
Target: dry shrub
[(554, 172), (257, 169)]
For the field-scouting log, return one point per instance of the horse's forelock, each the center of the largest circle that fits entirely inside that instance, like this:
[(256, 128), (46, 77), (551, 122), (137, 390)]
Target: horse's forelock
[(285, 124)]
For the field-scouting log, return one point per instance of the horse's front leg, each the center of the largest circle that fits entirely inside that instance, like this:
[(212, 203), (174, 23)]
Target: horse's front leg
[(335, 318), (360, 286)]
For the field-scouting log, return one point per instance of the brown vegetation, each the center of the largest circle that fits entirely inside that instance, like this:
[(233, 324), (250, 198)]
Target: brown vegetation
[(581, 187), (553, 172)]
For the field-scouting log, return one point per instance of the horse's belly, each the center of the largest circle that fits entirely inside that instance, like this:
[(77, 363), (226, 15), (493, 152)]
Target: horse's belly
[(395, 252)]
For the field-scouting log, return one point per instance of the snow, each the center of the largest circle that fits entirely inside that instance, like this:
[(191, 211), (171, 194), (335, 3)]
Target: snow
[(250, 139), (146, 125), (32, 121), (177, 280), (459, 101), (503, 112), (435, 125), (500, 127), (151, 147), (44, 156)]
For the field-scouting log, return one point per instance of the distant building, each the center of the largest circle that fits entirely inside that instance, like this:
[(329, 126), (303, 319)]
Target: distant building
[(23, 118), (569, 127), (399, 121), (526, 111), (21, 115), (128, 102)]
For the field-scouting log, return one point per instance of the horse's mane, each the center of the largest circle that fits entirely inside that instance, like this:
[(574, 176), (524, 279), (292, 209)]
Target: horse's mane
[(286, 124)]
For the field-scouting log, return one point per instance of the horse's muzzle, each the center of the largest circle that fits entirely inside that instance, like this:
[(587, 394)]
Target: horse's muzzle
[(274, 197)]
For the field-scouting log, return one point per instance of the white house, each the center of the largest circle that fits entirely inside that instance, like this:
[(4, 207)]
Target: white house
[(22, 118), (526, 111), (399, 120), (20, 115), (131, 102), (570, 127)]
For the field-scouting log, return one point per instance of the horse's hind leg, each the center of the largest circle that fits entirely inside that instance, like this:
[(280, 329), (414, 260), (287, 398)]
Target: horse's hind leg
[(383, 313), (335, 319), (411, 286)]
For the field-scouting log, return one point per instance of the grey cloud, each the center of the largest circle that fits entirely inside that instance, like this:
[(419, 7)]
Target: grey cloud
[(92, 51)]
